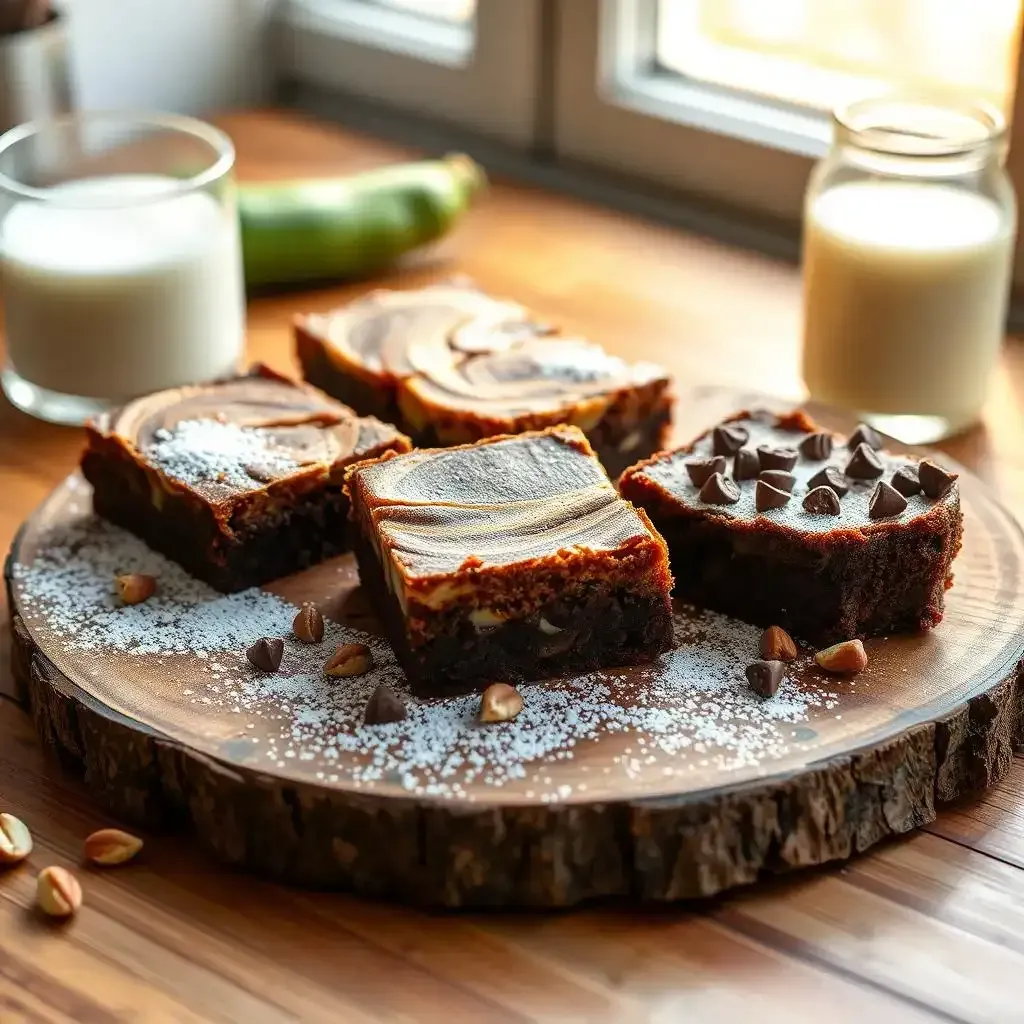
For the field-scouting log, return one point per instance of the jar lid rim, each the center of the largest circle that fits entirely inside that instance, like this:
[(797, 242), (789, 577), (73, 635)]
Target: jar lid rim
[(920, 126)]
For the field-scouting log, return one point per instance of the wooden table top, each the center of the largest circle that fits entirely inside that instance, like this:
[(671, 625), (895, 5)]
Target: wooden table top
[(930, 927)]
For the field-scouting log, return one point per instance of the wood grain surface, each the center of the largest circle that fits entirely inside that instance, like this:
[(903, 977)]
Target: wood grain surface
[(929, 927)]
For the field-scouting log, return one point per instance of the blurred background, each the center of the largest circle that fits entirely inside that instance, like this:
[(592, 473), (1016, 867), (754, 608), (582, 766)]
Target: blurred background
[(720, 101)]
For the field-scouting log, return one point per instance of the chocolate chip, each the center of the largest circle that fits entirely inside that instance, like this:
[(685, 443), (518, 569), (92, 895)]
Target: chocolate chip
[(765, 677), (934, 479), (728, 438), (719, 490), (383, 707), (553, 641), (906, 481), (885, 501), (266, 654), (822, 501), (830, 477), (816, 446), (864, 464), (865, 435), (767, 497), (701, 469), (779, 478), (746, 465), (777, 458)]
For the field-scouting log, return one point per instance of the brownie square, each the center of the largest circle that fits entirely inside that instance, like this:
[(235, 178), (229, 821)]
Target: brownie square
[(239, 481), (451, 365), (773, 520), (513, 558)]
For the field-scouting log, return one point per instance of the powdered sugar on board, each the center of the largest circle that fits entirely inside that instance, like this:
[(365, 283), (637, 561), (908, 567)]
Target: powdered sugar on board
[(691, 712)]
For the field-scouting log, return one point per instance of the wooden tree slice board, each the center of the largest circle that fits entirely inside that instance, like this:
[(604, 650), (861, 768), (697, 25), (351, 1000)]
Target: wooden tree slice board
[(658, 783)]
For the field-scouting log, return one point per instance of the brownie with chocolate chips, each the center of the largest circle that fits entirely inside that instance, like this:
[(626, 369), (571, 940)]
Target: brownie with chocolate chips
[(451, 365), (239, 481), (510, 559), (776, 521)]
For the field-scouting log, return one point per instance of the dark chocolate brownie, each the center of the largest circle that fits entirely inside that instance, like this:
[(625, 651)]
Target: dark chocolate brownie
[(510, 559), (239, 481), (452, 365), (773, 520)]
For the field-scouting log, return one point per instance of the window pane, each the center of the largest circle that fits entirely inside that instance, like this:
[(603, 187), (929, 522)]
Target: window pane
[(457, 12), (823, 53)]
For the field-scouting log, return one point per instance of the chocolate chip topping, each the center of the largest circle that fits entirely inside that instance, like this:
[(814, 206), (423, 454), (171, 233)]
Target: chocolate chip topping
[(822, 501), (727, 439), (906, 481), (779, 478), (383, 707), (816, 447), (830, 477), (816, 515), (767, 497), (765, 677), (746, 465), (777, 458), (700, 469), (864, 464), (719, 490), (865, 435), (934, 479), (885, 501), (266, 654)]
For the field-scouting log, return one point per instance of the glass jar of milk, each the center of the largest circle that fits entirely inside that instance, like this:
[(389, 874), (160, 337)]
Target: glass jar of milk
[(909, 229), (120, 260)]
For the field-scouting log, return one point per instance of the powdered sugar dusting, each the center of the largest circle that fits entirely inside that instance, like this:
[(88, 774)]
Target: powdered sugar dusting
[(206, 451), (72, 584), (692, 712)]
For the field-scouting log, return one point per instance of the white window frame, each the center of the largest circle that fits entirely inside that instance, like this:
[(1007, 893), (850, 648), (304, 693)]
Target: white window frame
[(613, 112), (482, 77), (628, 77), (596, 99)]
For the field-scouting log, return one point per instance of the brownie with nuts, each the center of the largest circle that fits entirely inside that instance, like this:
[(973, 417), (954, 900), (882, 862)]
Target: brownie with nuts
[(239, 481), (776, 521), (513, 558), (451, 365)]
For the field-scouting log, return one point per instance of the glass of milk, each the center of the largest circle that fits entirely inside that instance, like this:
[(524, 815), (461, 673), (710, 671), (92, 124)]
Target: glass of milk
[(909, 229), (120, 260)]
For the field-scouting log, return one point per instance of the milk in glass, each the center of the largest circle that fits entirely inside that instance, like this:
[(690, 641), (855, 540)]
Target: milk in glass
[(120, 285)]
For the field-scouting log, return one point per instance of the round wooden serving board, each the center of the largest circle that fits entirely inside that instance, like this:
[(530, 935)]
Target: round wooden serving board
[(658, 783)]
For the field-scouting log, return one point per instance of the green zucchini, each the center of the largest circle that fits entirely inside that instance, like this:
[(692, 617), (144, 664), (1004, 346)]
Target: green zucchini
[(331, 229)]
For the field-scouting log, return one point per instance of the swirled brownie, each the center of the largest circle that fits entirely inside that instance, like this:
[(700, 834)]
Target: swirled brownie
[(773, 520), (512, 558), (451, 365), (239, 481)]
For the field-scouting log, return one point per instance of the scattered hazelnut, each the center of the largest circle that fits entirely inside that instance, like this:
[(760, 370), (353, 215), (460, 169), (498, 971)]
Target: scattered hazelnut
[(349, 660), (135, 587), (266, 654), (111, 846), (777, 645), (500, 702), (58, 892), (308, 625), (15, 839), (845, 658)]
